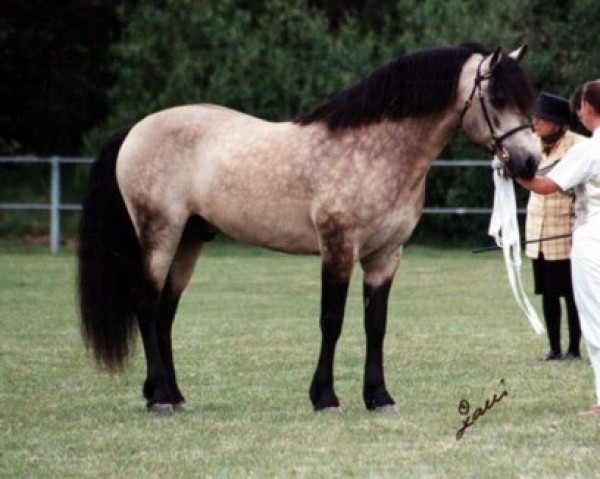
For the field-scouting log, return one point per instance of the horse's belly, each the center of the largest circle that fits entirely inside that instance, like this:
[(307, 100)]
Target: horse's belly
[(282, 227)]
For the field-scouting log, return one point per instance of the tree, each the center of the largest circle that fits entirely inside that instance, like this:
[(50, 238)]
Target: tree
[(53, 72), (272, 59), (371, 15)]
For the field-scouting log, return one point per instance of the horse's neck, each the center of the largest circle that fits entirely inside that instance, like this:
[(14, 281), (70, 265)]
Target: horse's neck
[(414, 141)]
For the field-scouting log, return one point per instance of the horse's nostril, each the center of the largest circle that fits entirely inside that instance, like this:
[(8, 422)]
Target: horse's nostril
[(526, 169), (530, 167)]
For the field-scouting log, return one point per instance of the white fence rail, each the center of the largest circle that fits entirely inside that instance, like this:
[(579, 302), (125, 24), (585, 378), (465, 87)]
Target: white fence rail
[(56, 206)]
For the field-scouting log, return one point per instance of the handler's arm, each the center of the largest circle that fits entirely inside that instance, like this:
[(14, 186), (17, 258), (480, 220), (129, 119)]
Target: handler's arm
[(541, 185)]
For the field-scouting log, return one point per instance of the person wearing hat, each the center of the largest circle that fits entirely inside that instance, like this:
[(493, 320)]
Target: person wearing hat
[(549, 216)]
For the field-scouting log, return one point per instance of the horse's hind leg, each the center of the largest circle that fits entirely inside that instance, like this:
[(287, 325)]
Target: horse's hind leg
[(379, 271), (181, 272), (158, 393), (153, 301), (167, 309), (161, 389)]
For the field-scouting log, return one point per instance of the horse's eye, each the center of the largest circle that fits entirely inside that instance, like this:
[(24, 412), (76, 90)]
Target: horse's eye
[(499, 99)]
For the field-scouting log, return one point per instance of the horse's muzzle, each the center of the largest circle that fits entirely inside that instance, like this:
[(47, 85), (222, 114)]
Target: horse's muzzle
[(523, 169)]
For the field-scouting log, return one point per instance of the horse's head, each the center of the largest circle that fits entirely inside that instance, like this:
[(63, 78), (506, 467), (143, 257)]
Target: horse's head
[(496, 100)]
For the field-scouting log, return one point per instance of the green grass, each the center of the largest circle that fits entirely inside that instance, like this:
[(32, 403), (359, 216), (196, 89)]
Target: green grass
[(246, 340)]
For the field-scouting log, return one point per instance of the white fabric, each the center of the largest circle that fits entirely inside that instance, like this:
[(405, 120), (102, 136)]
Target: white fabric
[(505, 230), (580, 170), (594, 354), (585, 271)]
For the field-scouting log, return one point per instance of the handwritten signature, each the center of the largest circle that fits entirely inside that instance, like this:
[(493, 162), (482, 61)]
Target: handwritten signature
[(464, 408)]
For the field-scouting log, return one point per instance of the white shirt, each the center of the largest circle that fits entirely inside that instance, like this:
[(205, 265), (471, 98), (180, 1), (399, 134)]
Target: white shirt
[(580, 170)]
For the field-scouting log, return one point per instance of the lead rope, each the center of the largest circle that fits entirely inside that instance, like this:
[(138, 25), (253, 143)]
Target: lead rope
[(505, 230)]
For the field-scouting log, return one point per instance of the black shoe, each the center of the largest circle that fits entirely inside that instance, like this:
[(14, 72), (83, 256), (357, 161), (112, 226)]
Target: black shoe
[(572, 356), (551, 356)]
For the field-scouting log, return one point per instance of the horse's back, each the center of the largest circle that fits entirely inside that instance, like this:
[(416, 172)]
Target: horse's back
[(244, 175), (183, 126), (169, 146)]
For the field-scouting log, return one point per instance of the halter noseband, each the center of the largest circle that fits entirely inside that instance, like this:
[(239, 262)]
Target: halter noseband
[(496, 145)]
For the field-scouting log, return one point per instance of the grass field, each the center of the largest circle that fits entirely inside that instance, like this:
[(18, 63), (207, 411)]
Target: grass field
[(246, 342)]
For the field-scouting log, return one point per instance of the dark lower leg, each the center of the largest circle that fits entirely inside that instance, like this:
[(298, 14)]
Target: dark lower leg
[(168, 308), (157, 389), (334, 291), (155, 386), (574, 326), (551, 307), (375, 394)]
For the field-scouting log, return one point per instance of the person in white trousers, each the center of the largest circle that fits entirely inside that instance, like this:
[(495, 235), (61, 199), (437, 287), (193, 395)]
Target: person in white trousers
[(580, 169)]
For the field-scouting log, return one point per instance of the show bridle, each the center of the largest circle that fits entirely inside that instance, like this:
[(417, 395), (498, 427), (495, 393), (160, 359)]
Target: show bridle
[(496, 143)]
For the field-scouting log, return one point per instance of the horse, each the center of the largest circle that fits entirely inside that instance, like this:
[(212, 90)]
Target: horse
[(345, 181)]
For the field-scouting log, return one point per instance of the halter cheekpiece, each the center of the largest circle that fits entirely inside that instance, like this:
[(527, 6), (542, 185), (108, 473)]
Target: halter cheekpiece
[(496, 146)]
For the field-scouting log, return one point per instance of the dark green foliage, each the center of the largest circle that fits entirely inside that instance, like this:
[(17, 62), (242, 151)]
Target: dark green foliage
[(53, 70), (271, 59)]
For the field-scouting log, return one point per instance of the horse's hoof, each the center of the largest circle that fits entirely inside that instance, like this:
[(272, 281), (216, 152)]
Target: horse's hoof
[(330, 410), (179, 407), (161, 408), (387, 408)]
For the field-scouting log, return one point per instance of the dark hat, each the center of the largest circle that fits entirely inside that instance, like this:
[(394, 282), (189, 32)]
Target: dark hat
[(553, 108)]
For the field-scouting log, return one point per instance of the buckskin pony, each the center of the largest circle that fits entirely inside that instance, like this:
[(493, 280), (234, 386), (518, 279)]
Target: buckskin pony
[(345, 181)]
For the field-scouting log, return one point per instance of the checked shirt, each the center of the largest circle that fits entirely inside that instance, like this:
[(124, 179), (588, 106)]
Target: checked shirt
[(551, 215)]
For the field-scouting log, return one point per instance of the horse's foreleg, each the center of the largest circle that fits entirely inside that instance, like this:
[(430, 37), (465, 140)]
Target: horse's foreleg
[(379, 274), (334, 290)]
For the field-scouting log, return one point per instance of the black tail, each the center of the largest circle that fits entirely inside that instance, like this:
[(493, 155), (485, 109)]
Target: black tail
[(109, 263)]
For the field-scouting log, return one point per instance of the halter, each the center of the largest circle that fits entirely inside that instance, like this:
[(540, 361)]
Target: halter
[(496, 146)]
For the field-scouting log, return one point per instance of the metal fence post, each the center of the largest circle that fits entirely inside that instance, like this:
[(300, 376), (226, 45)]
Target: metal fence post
[(55, 205)]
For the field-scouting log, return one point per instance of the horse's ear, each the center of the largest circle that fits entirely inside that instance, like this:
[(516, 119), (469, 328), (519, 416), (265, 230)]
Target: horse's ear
[(519, 53), (496, 57)]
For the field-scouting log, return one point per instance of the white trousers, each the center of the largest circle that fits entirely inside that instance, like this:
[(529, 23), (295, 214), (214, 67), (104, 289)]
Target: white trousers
[(585, 270), (594, 354)]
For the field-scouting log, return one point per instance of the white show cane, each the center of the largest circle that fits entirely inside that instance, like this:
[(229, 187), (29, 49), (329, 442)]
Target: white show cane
[(505, 230)]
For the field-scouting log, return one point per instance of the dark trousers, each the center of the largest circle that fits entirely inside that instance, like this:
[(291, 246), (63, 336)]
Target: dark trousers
[(552, 314), (552, 280)]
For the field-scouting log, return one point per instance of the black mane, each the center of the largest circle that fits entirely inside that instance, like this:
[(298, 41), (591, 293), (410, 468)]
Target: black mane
[(417, 84)]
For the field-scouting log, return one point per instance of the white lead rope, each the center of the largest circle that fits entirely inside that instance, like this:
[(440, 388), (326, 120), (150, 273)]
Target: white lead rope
[(505, 230)]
